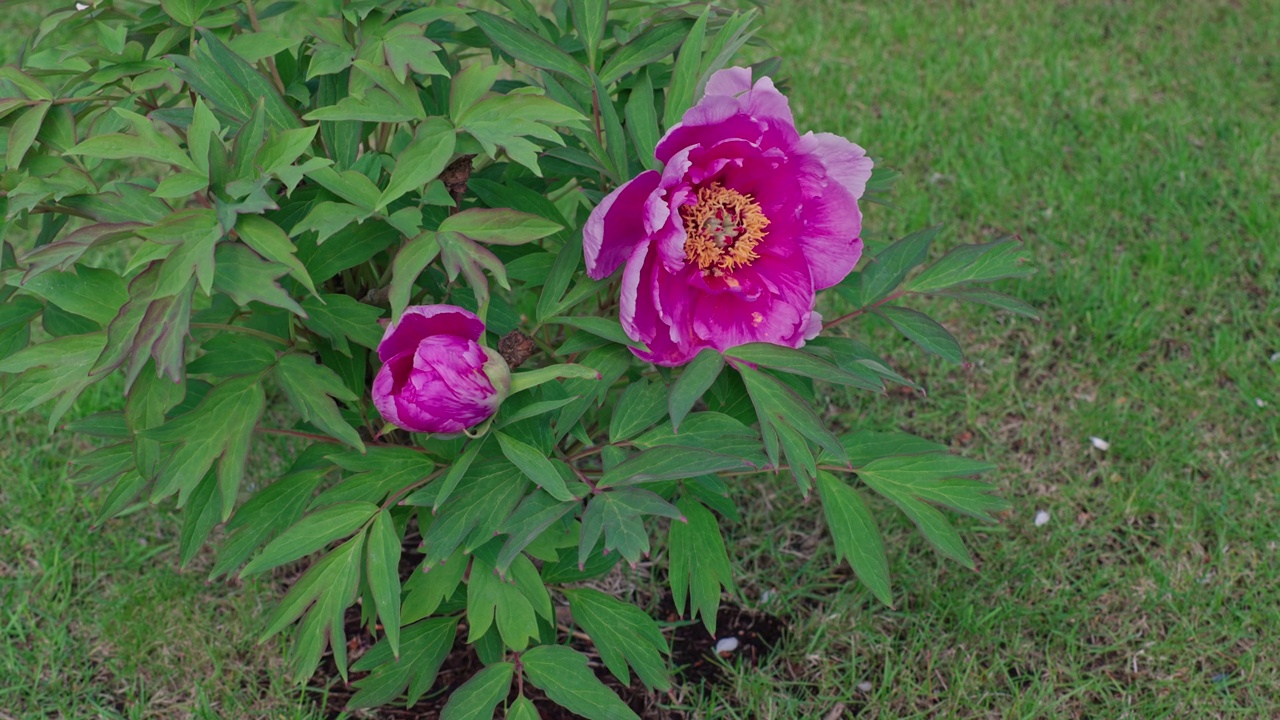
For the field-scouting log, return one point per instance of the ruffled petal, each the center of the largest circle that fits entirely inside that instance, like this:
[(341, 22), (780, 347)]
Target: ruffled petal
[(645, 284), (845, 162), (422, 321), (617, 225), (780, 315), (733, 108)]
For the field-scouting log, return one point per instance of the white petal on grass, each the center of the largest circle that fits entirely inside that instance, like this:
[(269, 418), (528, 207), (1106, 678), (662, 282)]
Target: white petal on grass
[(1259, 402), (1099, 443), (864, 687), (1275, 357), (726, 645), (1042, 518)]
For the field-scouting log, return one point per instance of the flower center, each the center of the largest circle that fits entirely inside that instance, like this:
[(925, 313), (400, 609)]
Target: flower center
[(723, 229)]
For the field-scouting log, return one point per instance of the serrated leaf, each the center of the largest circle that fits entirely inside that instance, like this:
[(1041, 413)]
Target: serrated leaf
[(218, 429), (312, 389), (310, 534), (856, 536), (269, 241), (924, 331), (623, 634), (699, 562), (562, 673), (245, 277), (424, 647)]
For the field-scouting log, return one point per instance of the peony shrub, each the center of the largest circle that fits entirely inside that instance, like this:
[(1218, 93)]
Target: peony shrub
[(521, 298)]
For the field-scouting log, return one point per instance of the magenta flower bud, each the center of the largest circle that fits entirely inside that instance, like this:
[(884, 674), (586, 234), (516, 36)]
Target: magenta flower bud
[(435, 376), (728, 243)]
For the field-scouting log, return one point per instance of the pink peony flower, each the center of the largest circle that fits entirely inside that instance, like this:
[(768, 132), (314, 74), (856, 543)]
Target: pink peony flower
[(435, 377), (746, 221)]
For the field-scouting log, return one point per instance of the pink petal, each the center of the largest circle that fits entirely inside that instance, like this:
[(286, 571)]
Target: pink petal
[(846, 163), (617, 225), (422, 321)]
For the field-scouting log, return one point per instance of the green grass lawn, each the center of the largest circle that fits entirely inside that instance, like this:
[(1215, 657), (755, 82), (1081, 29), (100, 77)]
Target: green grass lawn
[(1134, 147)]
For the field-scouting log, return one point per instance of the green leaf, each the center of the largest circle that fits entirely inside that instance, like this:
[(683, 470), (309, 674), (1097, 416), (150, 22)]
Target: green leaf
[(346, 248), (478, 697), (670, 462), (924, 331), (376, 472), (425, 590), (247, 278), (457, 470), (642, 119), (623, 634), (468, 86), (408, 264), (864, 446), (568, 260), (383, 563), (522, 709), (424, 647), (499, 226), (312, 389), (799, 362), (642, 404), (311, 533), (975, 263), (269, 511), (228, 354), (194, 233), (218, 429), (341, 317), (686, 73), (148, 144), (405, 48), (779, 405), (231, 84), (529, 48), (269, 241), (607, 328), (94, 293), (589, 17), (562, 673), (693, 382), (23, 133), (492, 489), (531, 518), (646, 49), (699, 562), (422, 161), (856, 536), (490, 599), (887, 269), (186, 12), (535, 465), (202, 512), (994, 299)]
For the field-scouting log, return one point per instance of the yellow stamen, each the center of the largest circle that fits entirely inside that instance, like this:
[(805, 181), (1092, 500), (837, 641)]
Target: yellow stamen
[(723, 229)]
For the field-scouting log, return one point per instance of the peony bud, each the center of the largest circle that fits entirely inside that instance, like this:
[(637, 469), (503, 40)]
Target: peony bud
[(435, 376)]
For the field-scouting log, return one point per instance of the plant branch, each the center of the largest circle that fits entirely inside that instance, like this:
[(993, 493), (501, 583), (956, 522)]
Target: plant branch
[(270, 61), (860, 311)]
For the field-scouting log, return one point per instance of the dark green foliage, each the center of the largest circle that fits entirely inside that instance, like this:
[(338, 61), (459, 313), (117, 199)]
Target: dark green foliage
[(223, 208)]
